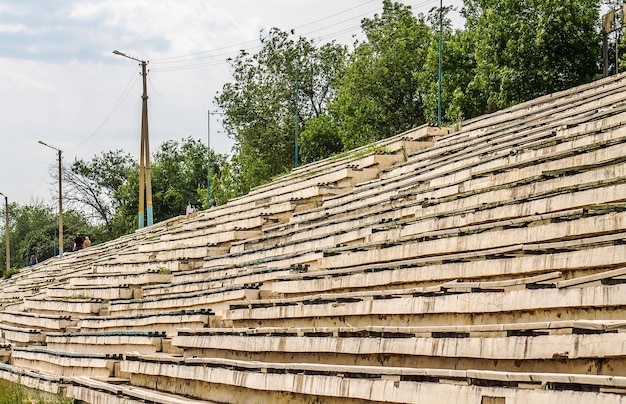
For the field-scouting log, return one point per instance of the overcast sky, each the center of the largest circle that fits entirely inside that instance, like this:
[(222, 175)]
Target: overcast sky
[(61, 83)]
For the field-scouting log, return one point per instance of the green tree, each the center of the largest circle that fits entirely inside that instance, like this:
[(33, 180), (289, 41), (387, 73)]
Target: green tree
[(33, 229), (528, 48), (379, 96), (92, 185), (320, 139), (179, 176), (260, 104), (178, 171)]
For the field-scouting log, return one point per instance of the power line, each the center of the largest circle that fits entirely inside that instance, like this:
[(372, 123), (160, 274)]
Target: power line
[(197, 63), (134, 78)]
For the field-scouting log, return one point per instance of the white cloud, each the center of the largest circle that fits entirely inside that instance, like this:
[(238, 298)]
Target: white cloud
[(12, 28)]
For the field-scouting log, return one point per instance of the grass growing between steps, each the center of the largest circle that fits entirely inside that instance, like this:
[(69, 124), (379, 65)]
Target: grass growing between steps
[(15, 393)]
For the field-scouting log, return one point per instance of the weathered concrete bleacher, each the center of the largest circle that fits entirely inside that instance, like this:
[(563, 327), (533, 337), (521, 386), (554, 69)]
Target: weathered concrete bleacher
[(481, 265)]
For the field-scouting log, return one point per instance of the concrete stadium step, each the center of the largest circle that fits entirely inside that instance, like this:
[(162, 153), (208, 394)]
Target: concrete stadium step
[(106, 292), (51, 322), (594, 302), (65, 363), (167, 322), (216, 300), (20, 336), (484, 265), (72, 308), (562, 346), (101, 391), (576, 256), (120, 278), (266, 380), (47, 382), (413, 247), (108, 342), (213, 279)]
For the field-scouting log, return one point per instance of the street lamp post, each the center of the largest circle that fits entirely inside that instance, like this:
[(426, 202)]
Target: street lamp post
[(208, 169), (144, 151), (439, 72), (6, 230), (60, 199), (208, 183)]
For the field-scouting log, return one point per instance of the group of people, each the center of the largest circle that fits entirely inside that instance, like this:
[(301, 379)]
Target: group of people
[(80, 242)]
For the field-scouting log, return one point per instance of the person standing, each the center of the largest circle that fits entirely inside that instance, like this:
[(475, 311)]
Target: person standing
[(190, 208), (33, 260), (78, 242), (87, 242)]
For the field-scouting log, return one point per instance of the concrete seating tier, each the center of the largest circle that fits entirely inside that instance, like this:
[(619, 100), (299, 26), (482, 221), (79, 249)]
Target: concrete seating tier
[(21, 336), (485, 265), (110, 342), (71, 307), (90, 390), (217, 379), (544, 105), (589, 254), (408, 142), (45, 382), (145, 263), (560, 346), (416, 246), (213, 279), (94, 291), (392, 199), (120, 278), (562, 195), (421, 169), (216, 299), (64, 363), (428, 206), (166, 322), (349, 171), (595, 302)]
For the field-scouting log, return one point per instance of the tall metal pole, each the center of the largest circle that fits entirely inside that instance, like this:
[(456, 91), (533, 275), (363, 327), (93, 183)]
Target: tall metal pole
[(6, 230), (144, 151), (296, 151), (142, 176), (605, 54), (146, 143), (208, 177), (60, 209), (440, 61), (60, 199)]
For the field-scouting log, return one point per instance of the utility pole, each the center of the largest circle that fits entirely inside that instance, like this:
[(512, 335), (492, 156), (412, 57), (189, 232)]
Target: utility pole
[(208, 174), (440, 73), (609, 25), (208, 166), (6, 231), (60, 199), (297, 118), (144, 150)]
